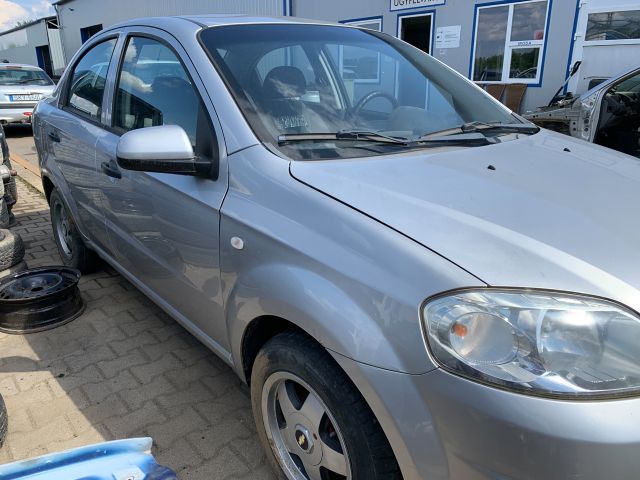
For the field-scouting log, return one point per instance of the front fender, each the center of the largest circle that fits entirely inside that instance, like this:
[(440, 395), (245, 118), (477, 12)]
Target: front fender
[(353, 284), (314, 304)]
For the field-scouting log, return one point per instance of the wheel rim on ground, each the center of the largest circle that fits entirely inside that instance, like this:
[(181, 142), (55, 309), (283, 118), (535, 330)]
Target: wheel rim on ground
[(39, 299), (302, 432), (63, 229)]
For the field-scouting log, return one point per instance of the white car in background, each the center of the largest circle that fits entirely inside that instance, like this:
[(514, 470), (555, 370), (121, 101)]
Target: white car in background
[(21, 87)]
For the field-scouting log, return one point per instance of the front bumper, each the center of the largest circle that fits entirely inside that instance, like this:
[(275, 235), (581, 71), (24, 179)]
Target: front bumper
[(16, 113), (445, 427)]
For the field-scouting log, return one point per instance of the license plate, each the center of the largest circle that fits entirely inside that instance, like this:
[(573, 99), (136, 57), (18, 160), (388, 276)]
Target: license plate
[(34, 97)]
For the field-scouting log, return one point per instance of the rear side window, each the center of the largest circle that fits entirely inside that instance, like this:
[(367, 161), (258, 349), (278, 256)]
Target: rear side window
[(154, 89), (88, 79)]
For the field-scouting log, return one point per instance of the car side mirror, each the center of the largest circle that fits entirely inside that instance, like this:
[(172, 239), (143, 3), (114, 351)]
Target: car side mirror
[(162, 149)]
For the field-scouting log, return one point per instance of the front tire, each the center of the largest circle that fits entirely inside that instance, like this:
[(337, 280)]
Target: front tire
[(71, 247), (311, 420)]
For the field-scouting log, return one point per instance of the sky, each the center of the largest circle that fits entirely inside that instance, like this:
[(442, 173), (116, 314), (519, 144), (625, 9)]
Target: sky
[(13, 11)]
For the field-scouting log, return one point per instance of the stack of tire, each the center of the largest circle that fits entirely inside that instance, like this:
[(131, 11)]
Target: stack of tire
[(9, 196), (4, 421), (11, 253), (11, 245)]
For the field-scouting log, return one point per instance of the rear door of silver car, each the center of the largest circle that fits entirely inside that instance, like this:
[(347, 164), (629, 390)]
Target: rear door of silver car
[(78, 123)]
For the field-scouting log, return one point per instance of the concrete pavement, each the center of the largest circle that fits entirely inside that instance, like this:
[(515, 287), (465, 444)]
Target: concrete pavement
[(122, 369)]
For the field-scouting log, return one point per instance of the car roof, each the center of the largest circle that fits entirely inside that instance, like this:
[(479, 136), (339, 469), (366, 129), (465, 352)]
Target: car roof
[(216, 20), (610, 81), (19, 65)]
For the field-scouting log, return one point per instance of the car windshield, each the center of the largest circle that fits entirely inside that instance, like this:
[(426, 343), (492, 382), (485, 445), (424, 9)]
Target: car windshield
[(23, 76), (293, 79)]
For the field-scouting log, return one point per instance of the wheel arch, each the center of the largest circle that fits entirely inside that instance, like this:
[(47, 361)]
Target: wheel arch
[(258, 332), (48, 186), (291, 296), (263, 328)]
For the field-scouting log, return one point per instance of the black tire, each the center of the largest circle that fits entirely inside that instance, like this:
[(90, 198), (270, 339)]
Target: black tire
[(370, 456), (11, 249), (4, 421), (20, 267), (11, 189), (5, 217), (73, 252)]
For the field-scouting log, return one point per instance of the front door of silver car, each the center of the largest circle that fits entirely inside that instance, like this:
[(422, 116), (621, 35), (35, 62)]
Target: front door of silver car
[(618, 124), (164, 228)]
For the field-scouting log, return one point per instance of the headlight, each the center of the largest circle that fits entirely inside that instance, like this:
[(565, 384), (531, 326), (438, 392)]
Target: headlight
[(539, 342)]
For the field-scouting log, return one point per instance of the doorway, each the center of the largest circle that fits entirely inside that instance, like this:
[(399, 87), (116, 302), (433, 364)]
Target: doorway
[(44, 59), (416, 30)]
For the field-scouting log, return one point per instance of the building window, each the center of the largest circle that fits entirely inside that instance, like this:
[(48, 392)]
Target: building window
[(359, 64), (608, 26), (87, 32), (509, 42)]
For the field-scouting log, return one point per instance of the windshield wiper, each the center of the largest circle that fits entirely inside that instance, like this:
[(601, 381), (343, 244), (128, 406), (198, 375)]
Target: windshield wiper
[(345, 135), (472, 127), (462, 139)]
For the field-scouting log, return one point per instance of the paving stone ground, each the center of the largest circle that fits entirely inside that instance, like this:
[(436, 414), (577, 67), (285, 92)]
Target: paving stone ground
[(123, 369)]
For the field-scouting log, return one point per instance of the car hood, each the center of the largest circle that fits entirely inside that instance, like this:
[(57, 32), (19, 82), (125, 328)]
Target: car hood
[(544, 211)]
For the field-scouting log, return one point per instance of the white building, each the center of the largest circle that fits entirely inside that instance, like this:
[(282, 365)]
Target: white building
[(35, 43), (533, 43)]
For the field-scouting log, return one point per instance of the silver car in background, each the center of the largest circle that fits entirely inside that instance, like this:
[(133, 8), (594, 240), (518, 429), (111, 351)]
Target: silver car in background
[(608, 114), (21, 88), (415, 282)]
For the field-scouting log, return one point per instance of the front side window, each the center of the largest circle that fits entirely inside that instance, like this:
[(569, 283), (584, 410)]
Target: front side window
[(88, 80), (154, 89), (509, 42), (23, 76), (289, 80), (607, 26)]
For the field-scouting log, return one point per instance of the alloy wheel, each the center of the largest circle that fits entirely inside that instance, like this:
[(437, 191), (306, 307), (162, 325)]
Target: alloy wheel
[(63, 229), (303, 433)]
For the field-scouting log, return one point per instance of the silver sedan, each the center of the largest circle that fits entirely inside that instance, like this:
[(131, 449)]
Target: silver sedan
[(21, 87), (415, 282)]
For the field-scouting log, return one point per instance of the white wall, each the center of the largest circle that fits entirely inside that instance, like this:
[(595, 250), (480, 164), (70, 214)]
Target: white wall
[(602, 59), (78, 14), (20, 46), (84, 13), (461, 12)]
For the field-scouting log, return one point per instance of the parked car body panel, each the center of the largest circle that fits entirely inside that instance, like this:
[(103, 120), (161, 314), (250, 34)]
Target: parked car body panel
[(116, 460), (507, 220), (353, 284), (163, 228), (445, 427)]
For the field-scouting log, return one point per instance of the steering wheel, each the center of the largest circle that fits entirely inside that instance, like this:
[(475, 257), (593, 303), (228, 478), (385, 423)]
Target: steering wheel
[(370, 96)]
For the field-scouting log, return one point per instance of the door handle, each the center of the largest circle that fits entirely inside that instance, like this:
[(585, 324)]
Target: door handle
[(53, 136), (111, 170)]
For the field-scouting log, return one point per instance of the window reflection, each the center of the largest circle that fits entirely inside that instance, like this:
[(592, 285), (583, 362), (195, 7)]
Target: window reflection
[(89, 78), (154, 89)]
